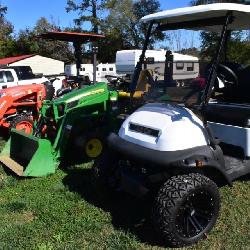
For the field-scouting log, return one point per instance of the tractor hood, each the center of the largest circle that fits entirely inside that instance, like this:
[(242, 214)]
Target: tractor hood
[(78, 94), (164, 127)]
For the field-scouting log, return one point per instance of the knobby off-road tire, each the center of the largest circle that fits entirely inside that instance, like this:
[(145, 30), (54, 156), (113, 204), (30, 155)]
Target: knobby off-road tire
[(23, 123), (186, 208)]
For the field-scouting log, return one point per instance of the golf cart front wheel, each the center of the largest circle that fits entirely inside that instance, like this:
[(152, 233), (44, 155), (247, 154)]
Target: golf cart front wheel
[(186, 208)]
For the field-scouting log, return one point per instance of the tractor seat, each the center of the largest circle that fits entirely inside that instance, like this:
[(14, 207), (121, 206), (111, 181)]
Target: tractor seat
[(142, 87)]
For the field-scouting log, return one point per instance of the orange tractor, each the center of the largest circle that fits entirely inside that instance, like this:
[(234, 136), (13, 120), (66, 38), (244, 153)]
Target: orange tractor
[(20, 105)]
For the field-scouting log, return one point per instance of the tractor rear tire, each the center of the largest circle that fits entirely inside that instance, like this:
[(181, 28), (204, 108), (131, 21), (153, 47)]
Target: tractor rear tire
[(186, 208), (22, 122), (89, 146), (104, 172)]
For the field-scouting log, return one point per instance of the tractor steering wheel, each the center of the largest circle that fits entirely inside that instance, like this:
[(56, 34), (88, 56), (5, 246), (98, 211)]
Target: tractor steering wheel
[(228, 77)]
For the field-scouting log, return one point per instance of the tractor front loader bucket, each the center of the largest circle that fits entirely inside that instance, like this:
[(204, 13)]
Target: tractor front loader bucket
[(28, 155)]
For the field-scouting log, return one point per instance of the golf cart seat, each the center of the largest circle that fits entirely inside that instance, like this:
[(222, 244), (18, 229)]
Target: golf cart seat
[(143, 84), (230, 114)]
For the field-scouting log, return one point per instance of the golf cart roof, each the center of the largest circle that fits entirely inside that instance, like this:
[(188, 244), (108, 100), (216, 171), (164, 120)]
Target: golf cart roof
[(202, 17), (71, 36)]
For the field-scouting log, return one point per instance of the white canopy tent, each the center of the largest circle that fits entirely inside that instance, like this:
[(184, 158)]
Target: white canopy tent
[(204, 17)]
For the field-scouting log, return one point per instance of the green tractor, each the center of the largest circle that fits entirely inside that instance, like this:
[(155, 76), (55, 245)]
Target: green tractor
[(72, 125)]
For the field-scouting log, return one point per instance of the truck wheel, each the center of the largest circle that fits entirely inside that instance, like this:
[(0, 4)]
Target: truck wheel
[(23, 123), (50, 91), (185, 209)]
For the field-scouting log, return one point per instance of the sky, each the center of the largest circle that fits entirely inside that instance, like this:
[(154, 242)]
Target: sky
[(25, 13)]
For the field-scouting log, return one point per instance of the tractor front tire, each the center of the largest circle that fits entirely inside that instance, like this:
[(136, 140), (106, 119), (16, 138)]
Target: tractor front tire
[(186, 208), (23, 123)]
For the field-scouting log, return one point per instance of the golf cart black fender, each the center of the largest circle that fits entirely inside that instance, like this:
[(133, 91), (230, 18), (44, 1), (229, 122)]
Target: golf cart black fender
[(198, 159)]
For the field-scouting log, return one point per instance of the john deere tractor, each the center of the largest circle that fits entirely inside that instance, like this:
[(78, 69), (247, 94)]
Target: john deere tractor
[(73, 125)]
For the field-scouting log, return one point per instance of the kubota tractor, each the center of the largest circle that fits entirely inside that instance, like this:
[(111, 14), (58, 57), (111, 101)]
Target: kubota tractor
[(19, 106)]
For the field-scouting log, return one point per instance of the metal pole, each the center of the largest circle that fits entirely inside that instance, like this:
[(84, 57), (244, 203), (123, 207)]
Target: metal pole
[(139, 64), (78, 52), (95, 51), (213, 73)]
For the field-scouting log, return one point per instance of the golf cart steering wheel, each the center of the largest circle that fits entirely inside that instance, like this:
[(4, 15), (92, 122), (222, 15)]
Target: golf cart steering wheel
[(228, 77)]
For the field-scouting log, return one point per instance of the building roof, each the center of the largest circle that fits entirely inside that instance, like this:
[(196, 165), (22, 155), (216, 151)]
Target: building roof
[(201, 15), (9, 60)]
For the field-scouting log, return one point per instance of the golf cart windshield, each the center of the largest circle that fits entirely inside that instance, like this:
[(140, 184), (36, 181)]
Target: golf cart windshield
[(217, 75)]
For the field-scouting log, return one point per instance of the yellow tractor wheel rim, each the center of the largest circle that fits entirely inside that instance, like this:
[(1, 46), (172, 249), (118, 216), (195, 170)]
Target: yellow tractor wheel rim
[(93, 148)]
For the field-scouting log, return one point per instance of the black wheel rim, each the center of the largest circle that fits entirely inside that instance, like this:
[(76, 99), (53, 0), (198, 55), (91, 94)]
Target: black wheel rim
[(195, 214)]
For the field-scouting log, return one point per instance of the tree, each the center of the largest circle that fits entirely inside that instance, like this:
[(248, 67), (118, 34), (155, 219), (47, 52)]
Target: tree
[(124, 20), (26, 42), (84, 7), (237, 42), (6, 29), (122, 26)]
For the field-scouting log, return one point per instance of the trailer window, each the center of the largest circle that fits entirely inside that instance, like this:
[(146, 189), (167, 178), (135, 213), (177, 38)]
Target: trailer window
[(190, 66), (111, 69), (104, 69), (1, 77), (179, 66), (97, 69), (9, 76), (82, 69)]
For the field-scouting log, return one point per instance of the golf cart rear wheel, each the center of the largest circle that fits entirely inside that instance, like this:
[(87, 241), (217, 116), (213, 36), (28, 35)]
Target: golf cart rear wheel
[(185, 209), (23, 123)]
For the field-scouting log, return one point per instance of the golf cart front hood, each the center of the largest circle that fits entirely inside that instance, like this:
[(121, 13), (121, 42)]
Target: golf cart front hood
[(164, 127)]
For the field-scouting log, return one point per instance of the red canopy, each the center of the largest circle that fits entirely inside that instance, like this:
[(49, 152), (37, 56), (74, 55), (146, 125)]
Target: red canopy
[(71, 36)]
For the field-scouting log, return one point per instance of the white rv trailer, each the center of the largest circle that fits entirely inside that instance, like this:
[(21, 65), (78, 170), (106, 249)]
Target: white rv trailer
[(185, 67), (102, 70)]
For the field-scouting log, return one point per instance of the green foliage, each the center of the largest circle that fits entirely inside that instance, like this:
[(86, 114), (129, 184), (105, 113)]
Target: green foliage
[(88, 11), (238, 46), (55, 49), (6, 29), (123, 28)]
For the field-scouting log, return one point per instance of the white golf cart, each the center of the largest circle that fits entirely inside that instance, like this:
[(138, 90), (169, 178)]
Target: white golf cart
[(166, 150)]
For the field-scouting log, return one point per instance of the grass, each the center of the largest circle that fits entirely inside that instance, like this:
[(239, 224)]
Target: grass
[(63, 211)]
